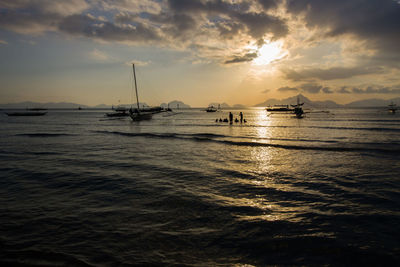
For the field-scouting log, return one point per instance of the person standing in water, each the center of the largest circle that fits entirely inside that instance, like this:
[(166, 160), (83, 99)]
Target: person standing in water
[(241, 117), (230, 117)]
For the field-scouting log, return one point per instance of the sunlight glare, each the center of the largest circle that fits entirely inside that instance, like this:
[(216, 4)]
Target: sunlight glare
[(269, 52)]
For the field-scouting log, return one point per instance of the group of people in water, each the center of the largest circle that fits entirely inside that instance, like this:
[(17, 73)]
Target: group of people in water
[(241, 119)]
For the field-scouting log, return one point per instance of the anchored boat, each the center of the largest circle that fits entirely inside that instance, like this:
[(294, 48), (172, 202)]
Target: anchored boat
[(139, 114)]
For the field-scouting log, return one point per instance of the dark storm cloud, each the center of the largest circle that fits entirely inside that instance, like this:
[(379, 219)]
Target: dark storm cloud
[(376, 21), (329, 74), (244, 58)]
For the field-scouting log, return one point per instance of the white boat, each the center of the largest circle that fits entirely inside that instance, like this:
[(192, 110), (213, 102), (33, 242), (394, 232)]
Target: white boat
[(211, 109), (118, 112), (139, 114)]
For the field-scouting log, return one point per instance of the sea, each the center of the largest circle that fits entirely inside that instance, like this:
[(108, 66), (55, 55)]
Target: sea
[(80, 189)]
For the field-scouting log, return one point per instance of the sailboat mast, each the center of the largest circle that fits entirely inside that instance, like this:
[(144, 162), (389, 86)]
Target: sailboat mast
[(134, 77)]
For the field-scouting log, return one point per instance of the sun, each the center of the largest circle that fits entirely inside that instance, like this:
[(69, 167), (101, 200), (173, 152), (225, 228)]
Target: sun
[(269, 52)]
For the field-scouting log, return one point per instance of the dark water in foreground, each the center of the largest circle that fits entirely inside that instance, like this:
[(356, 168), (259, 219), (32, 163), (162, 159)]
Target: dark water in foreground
[(78, 189)]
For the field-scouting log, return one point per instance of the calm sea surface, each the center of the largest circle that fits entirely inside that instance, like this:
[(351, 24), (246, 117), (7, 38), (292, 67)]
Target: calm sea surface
[(78, 189)]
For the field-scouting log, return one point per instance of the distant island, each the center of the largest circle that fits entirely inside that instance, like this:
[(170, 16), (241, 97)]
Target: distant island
[(69, 105), (175, 104), (328, 103), (373, 102)]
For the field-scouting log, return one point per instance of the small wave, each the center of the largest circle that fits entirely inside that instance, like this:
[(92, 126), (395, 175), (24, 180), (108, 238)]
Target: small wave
[(35, 257), (317, 148), (44, 134), (358, 128), (208, 138), (376, 129), (165, 135)]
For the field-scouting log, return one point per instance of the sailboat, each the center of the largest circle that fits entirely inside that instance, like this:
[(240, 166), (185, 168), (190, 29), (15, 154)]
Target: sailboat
[(138, 114)]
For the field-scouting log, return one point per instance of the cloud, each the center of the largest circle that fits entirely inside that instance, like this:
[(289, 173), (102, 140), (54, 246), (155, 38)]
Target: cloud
[(327, 90), (98, 55), (2, 42), (376, 90), (232, 18), (228, 26), (177, 25), (266, 91), (376, 21), (343, 90), (217, 29), (287, 89), (371, 89), (88, 26), (60, 7), (129, 5), (268, 4), (333, 73), (138, 63), (37, 16), (311, 88), (244, 58)]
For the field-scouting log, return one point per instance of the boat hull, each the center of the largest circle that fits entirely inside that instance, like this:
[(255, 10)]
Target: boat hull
[(26, 113), (279, 109), (141, 116), (117, 114)]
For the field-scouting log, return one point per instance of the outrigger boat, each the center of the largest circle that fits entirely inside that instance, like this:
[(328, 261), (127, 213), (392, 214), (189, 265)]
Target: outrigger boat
[(297, 109), (279, 108), (139, 114)]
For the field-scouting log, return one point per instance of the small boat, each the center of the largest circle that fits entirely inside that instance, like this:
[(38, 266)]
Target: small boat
[(297, 109), (36, 109), (279, 108), (119, 112), (392, 108), (139, 114), (211, 109), (26, 113)]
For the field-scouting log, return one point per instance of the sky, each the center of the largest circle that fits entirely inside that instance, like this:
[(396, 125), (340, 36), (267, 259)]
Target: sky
[(198, 51)]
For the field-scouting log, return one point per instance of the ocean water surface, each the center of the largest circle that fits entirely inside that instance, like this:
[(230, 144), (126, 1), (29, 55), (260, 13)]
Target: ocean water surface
[(78, 189)]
